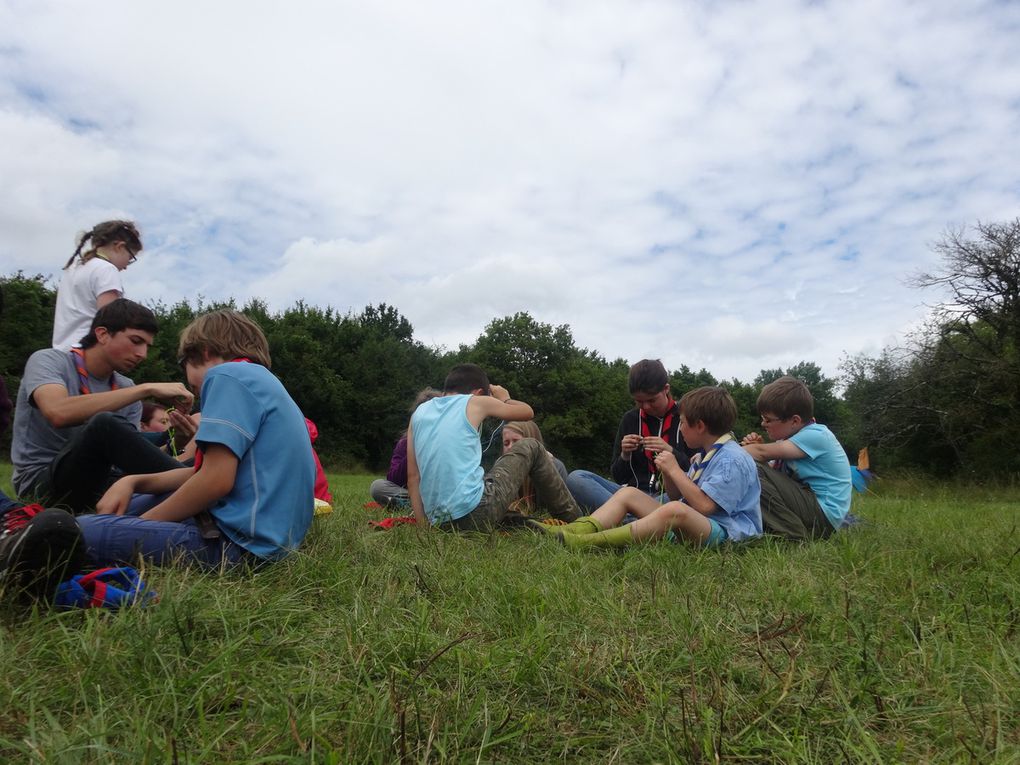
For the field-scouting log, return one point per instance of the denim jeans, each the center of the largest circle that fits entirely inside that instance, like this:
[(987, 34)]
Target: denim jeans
[(112, 540), (590, 490), (6, 503)]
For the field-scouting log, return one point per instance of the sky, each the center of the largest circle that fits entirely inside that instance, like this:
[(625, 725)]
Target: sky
[(728, 185)]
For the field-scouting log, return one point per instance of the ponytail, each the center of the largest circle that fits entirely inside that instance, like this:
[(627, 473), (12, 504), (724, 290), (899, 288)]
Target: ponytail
[(103, 234)]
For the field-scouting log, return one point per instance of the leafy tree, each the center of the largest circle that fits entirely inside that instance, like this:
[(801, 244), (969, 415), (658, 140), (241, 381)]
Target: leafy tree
[(577, 396), (952, 403)]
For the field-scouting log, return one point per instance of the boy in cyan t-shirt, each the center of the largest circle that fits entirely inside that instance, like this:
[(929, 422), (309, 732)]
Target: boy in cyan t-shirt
[(805, 493)]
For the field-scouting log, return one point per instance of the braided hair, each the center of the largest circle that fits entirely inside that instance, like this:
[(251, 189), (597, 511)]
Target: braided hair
[(106, 233)]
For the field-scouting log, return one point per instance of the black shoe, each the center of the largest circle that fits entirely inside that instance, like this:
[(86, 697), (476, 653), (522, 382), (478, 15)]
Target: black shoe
[(39, 548)]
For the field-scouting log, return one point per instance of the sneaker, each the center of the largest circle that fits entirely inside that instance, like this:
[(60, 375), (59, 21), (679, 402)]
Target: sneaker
[(39, 548), (553, 529)]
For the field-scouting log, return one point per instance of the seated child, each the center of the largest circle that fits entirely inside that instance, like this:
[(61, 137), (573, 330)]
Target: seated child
[(392, 490), (651, 427), (717, 500), (445, 480), (254, 473), (154, 418), (529, 499), (805, 494)]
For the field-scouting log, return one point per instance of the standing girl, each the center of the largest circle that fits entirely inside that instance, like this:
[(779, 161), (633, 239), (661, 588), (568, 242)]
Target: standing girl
[(92, 278)]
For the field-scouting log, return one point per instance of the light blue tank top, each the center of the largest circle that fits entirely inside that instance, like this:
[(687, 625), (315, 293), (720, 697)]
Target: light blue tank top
[(449, 455)]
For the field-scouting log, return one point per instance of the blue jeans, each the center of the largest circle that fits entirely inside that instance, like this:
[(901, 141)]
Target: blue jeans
[(118, 539), (6, 503), (590, 491)]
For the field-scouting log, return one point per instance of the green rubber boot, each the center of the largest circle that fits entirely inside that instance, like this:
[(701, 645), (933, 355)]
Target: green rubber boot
[(585, 525), (621, 536)]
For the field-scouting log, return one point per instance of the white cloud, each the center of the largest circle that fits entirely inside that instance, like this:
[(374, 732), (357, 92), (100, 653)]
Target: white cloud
[(733, 185)]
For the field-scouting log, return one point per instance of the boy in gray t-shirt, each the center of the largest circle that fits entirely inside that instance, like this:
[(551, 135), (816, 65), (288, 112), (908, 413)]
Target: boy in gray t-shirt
[(76, 418)]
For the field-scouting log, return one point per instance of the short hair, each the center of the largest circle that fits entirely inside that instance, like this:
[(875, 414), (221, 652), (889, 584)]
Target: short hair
[(527, 428), (465, 378), (711, 405), (118, 315), (647, 376), (225, 333), (785, 398)]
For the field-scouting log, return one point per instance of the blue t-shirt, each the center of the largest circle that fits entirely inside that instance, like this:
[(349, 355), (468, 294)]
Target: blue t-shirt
[(246, 409), (825, 469), (448, 452), (731, 479)]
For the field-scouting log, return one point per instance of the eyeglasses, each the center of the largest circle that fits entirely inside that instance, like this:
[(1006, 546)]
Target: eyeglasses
[(766, 421), (132, 254)]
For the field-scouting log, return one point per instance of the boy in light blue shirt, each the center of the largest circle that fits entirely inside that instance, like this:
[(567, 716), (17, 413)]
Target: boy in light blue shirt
[(249, 497), (715, 501), (806, 488)]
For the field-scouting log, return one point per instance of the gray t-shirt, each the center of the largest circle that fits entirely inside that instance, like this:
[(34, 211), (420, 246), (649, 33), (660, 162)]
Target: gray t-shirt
[(35, 442)]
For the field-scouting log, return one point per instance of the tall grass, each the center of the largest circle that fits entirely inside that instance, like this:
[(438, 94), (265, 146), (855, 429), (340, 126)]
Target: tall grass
[(894, 642)]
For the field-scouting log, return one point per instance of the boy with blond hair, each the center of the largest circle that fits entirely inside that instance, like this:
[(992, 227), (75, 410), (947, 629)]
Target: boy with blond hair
[(805, 492), (253, 476), (716, 501)]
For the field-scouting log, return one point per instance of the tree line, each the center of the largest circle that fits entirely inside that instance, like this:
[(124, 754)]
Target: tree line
[(946, 404)]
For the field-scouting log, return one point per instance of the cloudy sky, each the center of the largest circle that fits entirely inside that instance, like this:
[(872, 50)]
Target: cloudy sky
[(731, 185)]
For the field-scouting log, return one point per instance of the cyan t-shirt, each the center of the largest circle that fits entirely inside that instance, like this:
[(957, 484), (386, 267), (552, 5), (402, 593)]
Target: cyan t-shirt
[(247, 409), (825, 469), (448, 453), (731, 479)]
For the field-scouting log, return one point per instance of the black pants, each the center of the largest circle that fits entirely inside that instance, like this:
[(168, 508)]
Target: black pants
[(789, 508), (104, 449)]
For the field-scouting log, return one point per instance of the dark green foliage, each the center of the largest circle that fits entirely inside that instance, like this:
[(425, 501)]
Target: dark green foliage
[(578, 397)]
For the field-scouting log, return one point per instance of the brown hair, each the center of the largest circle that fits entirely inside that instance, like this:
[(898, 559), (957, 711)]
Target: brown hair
[(786, 397), (224, 333), (464, 378), (711, 405), (647, 376), (425, 394), (119, 315), (106, 233)]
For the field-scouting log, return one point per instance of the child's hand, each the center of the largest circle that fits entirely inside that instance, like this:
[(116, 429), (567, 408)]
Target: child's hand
[(173, 393), (751, 438), (185, 426), (630, 442), (655, 444), (665, 461), (116, 499), (498, 391)]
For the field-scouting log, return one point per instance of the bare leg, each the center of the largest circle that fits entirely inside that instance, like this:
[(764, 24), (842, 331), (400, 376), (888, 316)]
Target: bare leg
[(673, 516), (626, 500)]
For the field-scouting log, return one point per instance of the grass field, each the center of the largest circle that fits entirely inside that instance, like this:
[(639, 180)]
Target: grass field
[(896, 642)]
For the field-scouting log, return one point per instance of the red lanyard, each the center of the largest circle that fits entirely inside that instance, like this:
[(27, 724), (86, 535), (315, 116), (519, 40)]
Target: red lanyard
[(78, 355), (663, 433)]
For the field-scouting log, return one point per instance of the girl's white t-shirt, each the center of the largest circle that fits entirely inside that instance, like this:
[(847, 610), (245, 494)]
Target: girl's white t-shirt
[(81, 285)]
